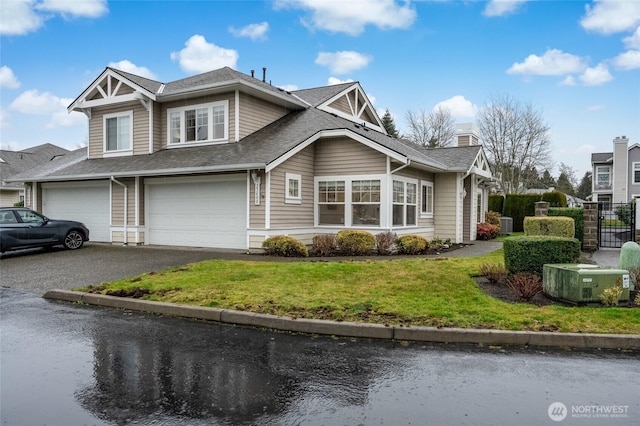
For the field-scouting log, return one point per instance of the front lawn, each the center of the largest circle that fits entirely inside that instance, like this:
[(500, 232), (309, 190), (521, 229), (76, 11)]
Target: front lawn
[(396, 292)]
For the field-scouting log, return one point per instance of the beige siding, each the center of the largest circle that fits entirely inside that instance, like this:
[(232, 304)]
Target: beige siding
[(445, 205), (140, 128), (157, 126), (343, 156), (256, 113), (9, 198), (257, 213), (284, 215), (117, 202), (341, 104)]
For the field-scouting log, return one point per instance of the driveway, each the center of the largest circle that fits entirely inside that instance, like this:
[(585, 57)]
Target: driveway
[(40, 270)]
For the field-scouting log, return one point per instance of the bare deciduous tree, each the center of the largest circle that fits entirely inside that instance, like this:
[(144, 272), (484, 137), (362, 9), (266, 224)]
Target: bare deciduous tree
[(515, 138), (431, 129)]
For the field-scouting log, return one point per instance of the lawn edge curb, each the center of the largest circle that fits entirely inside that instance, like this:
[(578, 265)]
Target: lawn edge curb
[(358, 330)]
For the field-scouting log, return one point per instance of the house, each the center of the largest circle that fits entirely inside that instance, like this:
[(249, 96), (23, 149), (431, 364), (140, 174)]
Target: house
[(224, 159), (13, 163), (616, 174)]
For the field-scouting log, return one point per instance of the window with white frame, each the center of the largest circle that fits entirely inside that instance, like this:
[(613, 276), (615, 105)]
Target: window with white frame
[(426, 199), (331, 202), (292, 188), (405, 202), (603, 177), (198, 123), (365, 202), (118, 132), (636, 173)]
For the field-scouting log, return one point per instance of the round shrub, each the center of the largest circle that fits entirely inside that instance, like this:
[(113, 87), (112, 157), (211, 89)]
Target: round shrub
[(412, 244), (281, 245), (324, 244), (354, 243)]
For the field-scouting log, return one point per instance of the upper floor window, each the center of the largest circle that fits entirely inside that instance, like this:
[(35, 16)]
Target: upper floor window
[(636, 173), (603, 177), (198, 123), (118, 132)]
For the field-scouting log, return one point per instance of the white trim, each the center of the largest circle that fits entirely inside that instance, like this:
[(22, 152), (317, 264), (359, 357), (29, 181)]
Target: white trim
[(426, 214), (237, 116), (334, 133), (288, 199), (151, 127), (234, 177), (137, 201), (267, 200), (117, 152), (209, 106), (354, 118), (405, 180), (248, 203), (633, 172)]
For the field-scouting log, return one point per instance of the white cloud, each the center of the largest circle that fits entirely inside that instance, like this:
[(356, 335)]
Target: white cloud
[(343, 62), (3, 120), (611, 16), (568, 81), (128, 66), (502, 7), (351, 17), (629, 60), (334, 80), (459, 107), (200, 56), (65, 119), (8, 79), (33, 102), (596, 76), (20, 17), (633, 41), (553, 62), (252, 31)]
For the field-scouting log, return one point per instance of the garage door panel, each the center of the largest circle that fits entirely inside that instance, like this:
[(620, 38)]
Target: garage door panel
[(87, 204), (208, 214)]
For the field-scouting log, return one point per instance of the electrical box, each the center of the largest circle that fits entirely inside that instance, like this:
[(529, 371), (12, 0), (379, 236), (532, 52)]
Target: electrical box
[(506, 225), (582, 283)]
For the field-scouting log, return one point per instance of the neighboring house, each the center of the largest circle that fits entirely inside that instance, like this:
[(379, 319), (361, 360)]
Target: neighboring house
[(13, 163), (226, 160), (616, 175), (571, 200)]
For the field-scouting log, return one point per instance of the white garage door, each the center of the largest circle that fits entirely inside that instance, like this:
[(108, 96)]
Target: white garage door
[(186, 212), (88, 204)]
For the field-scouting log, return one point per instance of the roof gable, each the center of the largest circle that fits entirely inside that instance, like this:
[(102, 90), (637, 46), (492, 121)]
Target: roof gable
[(354, 105)]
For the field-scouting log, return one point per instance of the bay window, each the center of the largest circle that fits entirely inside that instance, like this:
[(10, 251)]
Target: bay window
[(405, 203), (198, 123)]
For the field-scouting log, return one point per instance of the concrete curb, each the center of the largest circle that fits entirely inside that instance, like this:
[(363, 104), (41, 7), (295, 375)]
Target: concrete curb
[(361, 330)]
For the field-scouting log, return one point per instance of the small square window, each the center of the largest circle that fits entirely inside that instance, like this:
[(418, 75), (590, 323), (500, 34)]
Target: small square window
[(293, 188)]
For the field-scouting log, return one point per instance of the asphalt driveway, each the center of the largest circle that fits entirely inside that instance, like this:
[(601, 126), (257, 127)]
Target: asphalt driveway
[(39, 270)]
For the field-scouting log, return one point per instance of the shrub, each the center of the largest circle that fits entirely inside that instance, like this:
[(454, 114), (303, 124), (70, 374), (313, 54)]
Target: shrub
[(555, 199), (611, 295), (493, 272), (624, 213), (525, 286), (486, 231), (353, 242), (324, 244), (576, 213), (19, 204), (554, 226), (385, 242), (412, 244), (493, 218), (529, 254), (281, 245), (496, 203)]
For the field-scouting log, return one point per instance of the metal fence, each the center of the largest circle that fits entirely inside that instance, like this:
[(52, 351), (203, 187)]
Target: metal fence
[(616, 224)]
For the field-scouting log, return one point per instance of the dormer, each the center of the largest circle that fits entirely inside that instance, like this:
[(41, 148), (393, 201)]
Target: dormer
[(353, 104)]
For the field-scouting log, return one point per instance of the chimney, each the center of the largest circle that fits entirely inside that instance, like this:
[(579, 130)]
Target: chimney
[(467, 134), (620, 169), (264, 74)]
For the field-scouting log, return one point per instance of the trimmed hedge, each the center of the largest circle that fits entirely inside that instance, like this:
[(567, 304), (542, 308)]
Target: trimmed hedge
[(555, 199), (496, 203), (281, 245), (576, 213), (553, 226), (353, 242), (529, 254), (519, 206)]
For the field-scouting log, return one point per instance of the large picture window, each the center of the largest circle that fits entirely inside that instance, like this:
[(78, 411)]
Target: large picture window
[(405, 203), (118, 134), (198, 123)]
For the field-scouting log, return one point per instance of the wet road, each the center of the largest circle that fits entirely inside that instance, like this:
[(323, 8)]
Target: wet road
[(64, 364)]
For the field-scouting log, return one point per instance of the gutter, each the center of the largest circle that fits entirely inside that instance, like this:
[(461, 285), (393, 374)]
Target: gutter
[(126, 208)]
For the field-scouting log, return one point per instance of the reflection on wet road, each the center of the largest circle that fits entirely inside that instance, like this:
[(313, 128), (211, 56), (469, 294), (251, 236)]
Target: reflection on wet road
[(64, 364)]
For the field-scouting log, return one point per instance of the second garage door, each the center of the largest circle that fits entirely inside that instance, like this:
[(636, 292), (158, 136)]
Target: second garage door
[(197, 213)]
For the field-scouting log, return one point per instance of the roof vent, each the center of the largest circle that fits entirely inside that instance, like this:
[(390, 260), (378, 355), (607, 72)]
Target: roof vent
[(264, 74)]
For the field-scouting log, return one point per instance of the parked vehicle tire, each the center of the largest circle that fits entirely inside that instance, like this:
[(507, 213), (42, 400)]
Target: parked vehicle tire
[(73, 240)]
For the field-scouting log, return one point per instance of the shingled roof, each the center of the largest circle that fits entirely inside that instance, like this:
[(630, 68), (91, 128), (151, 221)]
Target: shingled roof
[(17, 162)]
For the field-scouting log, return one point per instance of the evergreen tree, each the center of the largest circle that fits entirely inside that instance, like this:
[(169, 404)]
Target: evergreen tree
[(564, 184), (584, 189), (389, 125), (547, 180)]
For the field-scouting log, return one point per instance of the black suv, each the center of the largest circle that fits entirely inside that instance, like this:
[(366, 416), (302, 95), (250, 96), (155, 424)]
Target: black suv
[(23, 228)]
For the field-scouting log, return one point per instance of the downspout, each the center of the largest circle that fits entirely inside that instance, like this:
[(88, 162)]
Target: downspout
[(126, 212)]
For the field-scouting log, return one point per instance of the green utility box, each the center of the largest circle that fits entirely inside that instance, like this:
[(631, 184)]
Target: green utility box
[(580, 283)]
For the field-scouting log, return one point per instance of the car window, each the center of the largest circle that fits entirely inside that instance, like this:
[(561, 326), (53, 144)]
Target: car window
[(28, 216), (7, 217)]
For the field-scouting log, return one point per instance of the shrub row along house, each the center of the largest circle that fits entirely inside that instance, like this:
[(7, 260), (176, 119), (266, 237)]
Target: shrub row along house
[(224, 159)]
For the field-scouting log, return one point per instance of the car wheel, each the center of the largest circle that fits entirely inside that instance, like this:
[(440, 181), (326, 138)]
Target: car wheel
[(73, 240)]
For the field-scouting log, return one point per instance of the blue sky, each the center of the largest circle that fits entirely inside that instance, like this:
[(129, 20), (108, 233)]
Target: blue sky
[(578, 62)]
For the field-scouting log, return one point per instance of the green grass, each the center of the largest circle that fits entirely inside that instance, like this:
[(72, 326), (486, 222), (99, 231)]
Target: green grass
[(399, 291)]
